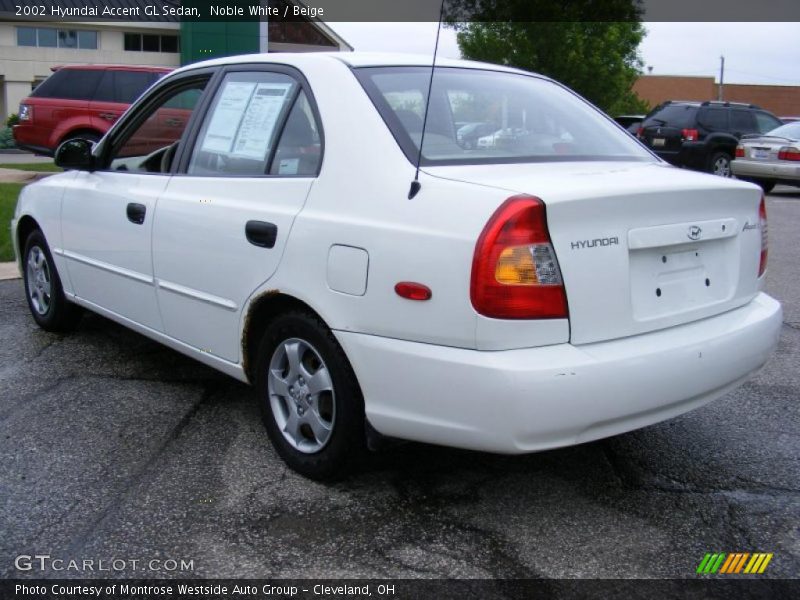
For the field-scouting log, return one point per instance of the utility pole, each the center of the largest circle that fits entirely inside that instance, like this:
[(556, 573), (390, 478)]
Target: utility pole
[(721, 77)]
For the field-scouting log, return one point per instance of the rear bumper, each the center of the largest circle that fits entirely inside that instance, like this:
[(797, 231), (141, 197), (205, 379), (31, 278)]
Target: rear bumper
[(693, 155), (518, 401), (766, 170)]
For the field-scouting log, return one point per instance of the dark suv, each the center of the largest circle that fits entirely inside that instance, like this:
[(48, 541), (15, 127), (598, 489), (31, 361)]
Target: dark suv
[(79, 101), (702, 135)]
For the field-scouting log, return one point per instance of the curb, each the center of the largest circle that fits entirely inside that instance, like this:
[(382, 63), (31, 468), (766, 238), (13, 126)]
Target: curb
[(8, 270)]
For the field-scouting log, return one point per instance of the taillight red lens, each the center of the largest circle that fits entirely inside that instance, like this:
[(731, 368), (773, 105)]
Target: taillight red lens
[(788, 153), (515, 273), (762, 222), (690, 135), (640, 132), (739, 151)]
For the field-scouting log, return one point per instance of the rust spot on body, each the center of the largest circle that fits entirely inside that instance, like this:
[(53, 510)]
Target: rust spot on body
[(251, 310)]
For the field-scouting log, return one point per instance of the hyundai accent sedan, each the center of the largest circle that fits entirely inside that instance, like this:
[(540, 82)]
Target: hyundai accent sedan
[(561, 286)]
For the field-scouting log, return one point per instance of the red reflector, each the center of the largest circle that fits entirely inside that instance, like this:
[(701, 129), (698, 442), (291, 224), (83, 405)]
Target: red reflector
[(739, 152), (788, 153), (762, 222), (690, 135), (413, 291)]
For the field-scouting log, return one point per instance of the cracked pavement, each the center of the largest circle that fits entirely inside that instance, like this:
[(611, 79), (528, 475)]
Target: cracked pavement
[(112, 446)]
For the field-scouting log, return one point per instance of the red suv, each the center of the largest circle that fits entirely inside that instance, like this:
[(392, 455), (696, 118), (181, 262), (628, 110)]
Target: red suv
[(79, 101)]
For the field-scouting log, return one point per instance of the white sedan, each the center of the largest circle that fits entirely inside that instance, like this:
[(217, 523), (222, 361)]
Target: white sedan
[(258, 214)]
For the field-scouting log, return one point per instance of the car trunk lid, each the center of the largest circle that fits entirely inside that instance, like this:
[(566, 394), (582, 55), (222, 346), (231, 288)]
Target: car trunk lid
[(641, 246), (764, 148)]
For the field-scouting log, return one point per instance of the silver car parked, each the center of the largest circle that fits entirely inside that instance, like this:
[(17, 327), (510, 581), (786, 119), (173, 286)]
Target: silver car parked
[(770, 158)]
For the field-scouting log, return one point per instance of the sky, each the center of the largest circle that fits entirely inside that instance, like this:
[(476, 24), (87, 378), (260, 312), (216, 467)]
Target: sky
[(766, 53)]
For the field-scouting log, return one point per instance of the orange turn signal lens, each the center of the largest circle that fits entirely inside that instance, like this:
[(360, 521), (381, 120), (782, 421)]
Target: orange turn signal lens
[(515, 266)]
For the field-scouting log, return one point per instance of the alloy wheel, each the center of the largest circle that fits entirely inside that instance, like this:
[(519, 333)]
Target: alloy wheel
[(301, 395), (39, 281)]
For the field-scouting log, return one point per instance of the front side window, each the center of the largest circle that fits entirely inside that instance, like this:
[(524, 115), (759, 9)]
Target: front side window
[(481, 117), (766, 122), (246, 117), (151, 147), (123, 86)]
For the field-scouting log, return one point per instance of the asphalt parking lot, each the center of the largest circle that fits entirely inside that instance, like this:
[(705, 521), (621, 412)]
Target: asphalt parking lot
[(112, 446)]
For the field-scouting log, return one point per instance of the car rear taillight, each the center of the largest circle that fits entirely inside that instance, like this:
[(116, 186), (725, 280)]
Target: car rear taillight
[(762, 225), (640, 132), (515, 273), (689, 135), (788, 153), (25, 112), (739, 151)]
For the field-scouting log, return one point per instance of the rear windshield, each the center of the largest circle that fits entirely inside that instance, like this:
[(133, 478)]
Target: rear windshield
[(484, 117), (790, 131), (678, 115)]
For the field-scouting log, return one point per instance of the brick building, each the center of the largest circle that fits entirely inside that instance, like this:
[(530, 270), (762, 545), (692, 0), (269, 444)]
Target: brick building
[(782, 100)]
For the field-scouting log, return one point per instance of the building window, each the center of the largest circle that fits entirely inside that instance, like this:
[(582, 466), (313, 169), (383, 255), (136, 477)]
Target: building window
[(45, 37), (147, 42)]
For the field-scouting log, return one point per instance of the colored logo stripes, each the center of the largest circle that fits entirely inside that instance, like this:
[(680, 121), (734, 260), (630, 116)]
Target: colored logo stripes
[(734, 563)]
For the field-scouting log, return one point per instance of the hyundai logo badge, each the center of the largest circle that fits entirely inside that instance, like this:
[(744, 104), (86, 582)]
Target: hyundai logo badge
[(695, 233)]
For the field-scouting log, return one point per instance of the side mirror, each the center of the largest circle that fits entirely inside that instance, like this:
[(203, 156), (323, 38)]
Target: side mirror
[(75, 154)]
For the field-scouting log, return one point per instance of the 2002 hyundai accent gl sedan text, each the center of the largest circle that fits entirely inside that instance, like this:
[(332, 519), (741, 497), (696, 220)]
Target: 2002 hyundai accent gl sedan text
[(555, 284)]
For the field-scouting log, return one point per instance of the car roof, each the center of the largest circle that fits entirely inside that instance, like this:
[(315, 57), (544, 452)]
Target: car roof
[(96, 67), (355, 59)]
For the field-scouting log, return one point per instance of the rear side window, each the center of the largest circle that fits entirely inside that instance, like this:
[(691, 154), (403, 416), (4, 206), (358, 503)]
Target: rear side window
[(70, 84), (715, 119), (123, 86), (680, 116), (742, 121), (239, 134), (299, 149)]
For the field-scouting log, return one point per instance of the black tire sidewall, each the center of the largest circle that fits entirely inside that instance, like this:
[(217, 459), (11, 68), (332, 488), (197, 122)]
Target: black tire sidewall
[(348, 441)]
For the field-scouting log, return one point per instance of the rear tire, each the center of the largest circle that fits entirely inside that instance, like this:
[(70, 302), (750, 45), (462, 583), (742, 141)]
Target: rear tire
[(720, 164), (309, 397), (43, 290)]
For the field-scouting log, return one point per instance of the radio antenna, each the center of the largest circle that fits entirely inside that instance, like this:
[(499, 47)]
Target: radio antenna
[(416, 185)]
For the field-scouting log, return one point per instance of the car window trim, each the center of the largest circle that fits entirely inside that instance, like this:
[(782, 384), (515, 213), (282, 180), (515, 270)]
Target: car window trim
[(182, 158), (124, 128)]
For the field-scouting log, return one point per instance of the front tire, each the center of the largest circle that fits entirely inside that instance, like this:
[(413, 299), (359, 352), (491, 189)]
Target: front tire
[(43, 290), (720, 164), (310, 400)]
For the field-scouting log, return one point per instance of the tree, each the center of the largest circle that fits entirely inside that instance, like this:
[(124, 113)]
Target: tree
[(598, 59)]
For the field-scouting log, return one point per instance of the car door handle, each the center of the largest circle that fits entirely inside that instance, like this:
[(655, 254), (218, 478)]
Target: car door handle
[(136, 212), (261, 233), (173, 122), (109, 116)]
